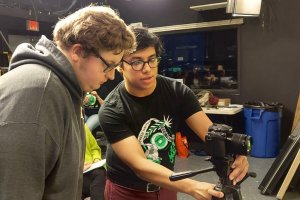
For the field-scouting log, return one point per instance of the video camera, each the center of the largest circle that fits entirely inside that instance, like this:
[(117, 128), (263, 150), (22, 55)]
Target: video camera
[(222, 146)]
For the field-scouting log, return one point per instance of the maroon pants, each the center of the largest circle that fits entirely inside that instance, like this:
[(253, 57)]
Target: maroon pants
[(116, 192)]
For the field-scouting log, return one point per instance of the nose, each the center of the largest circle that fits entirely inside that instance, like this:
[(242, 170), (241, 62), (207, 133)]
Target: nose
[(146, 67), (111, 74)]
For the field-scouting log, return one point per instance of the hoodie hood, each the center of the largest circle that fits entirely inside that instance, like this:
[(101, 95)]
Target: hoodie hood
[(46, 53)]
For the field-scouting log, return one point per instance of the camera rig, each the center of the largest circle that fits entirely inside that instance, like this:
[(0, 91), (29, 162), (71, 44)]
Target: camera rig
[(222, 146)]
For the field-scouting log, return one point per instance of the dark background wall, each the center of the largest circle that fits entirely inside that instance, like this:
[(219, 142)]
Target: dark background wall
[(270, 62), (10, 25), (269, 47), (17, 26)]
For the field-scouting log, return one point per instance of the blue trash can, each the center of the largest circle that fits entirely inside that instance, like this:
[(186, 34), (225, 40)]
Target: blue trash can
[(262, 123)]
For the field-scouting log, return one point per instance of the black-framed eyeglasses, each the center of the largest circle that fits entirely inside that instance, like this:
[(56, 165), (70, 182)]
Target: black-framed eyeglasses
[(108, 67), (139, 65)]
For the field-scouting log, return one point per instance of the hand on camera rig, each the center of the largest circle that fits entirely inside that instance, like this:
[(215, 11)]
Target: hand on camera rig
[(223, 147)]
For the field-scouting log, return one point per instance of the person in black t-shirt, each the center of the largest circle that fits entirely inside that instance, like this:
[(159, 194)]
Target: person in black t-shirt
[(140, 118)]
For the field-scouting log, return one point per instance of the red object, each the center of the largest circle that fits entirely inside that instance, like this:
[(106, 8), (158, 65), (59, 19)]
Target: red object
[(181, 146), (32, 25), (213, 100)]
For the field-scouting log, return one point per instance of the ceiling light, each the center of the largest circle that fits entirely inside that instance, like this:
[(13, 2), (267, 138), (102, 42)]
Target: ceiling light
[(245, 8)]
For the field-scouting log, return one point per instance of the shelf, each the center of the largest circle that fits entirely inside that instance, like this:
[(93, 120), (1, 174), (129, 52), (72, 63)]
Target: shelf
[(201, 25), (209, 6)]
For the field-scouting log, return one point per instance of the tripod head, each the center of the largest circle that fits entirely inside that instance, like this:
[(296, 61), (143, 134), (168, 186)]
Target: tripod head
[(222, 146)]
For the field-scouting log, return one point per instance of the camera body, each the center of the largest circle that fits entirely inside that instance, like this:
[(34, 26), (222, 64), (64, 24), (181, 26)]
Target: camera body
[(220, 142)]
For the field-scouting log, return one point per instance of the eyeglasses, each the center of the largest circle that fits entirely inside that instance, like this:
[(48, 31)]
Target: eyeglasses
[(139, 65), (108, 67)]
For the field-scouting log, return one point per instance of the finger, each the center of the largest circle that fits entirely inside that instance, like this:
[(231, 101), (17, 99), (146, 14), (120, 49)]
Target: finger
[(86, 166), (235, 173), (215, 193), (243, 174), (238, 167), (244, 169)]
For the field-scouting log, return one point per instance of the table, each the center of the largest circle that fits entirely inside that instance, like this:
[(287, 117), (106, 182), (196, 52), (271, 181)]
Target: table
[(232, 109)]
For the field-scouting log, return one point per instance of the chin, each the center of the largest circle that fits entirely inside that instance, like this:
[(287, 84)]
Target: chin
[(89, 89), (148, 86), (96, 87)]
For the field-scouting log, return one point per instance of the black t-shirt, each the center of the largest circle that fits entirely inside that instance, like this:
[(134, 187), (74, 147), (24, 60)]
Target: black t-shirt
[(153, 119)]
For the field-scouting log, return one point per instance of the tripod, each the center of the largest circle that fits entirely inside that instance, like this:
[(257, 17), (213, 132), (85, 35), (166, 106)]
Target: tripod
[(222, 168)]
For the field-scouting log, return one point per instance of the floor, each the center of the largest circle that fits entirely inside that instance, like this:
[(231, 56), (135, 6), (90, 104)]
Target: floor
[(249, 187)]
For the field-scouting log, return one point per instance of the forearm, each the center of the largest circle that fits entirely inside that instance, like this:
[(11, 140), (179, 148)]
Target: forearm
[(159, 175), (100, 100), (155, 173)]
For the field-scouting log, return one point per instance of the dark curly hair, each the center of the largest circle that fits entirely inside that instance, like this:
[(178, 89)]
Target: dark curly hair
[(145, 38)]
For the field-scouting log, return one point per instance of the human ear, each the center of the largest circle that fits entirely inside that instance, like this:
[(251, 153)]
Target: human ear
[(76, 52), (120, 69)]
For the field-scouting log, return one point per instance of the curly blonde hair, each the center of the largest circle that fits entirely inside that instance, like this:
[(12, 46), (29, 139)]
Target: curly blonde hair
[(96, 28)]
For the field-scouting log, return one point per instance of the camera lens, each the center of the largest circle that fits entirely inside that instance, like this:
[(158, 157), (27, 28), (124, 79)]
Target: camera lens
[(239, 144)]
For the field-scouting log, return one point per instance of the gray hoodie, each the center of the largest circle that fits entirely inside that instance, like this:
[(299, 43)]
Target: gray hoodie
[(41, 126)]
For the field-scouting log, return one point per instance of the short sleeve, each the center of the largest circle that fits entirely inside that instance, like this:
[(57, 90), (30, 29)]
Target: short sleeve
[(188, 102), (113, 120)]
